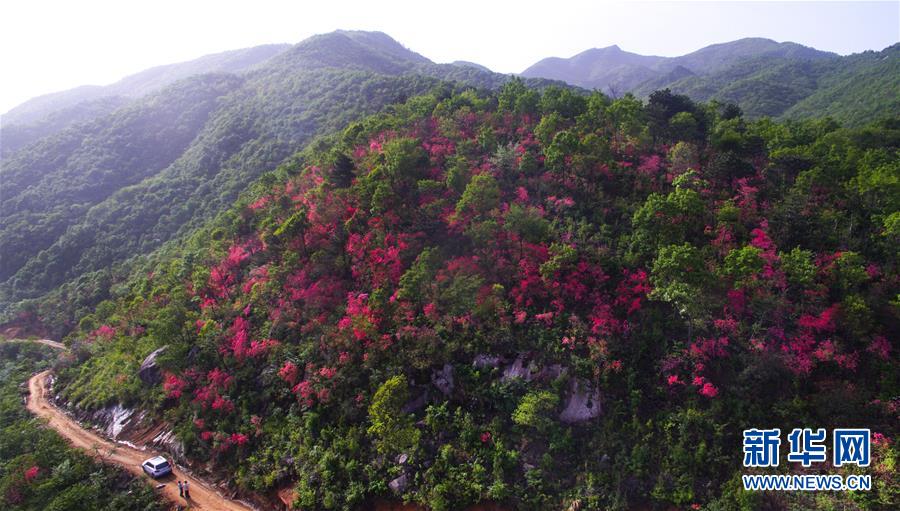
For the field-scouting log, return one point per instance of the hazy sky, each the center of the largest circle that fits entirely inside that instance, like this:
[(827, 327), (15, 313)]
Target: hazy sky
[(46, 46)]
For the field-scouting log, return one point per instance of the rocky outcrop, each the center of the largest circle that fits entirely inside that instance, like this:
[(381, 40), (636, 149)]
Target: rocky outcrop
[(149, 372), (582, 403), (443, 379), (483, 361), (527, 370), (518, 369), (166, 441)]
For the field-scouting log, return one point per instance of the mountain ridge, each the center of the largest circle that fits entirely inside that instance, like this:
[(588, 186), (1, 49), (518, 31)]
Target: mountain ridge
[(142, 82), (762, 76), (315, 87)]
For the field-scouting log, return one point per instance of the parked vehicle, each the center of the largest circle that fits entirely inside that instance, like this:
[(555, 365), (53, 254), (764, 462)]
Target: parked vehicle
[(157, 467)]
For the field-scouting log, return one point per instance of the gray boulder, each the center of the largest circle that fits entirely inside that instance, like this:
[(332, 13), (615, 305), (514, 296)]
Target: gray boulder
[(582, 403), (149, 371), (399, 484)]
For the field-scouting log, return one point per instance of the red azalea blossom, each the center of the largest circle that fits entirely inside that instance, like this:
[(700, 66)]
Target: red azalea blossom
[(238, 439), (32, 473), (881, 347), (709, 390), (104, 333), (173, 385)]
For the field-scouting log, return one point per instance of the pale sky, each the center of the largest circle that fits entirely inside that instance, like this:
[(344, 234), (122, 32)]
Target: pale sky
[(46, 46)]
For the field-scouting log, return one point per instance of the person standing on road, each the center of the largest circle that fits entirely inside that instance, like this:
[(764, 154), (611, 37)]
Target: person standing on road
[(187, 491), (180, 489)]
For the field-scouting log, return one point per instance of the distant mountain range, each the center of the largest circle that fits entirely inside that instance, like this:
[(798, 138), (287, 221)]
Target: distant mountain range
[(48, 114), (763, 77), (142, 83)]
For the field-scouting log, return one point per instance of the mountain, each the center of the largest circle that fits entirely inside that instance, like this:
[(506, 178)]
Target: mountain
[(864, 86), (611, 68), (51, 113), (608, 69), (763, 77), (538, 300), (469, 64), (142, 83), (101, 192), (718, 57), (16, 136), (348, 275)]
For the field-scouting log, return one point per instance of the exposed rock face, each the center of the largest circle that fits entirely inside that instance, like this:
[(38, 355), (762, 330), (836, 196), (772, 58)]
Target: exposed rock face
[(517, 369), (166, 441), (551, 372), (582, 403), (149, 371), (443, 379), (483, 361), (121, 416), (529, 370)]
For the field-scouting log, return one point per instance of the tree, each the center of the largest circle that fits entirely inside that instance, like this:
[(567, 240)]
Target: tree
[(663, 106), (392, 429), (679, 277), (535, 410), (482, 194), (342, 173), (743, 265)]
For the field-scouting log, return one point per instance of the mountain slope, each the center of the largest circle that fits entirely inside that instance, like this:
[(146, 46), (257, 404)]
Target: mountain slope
[(16, 136), (855, 89), (51, 113), (763, 77), (142, 83), (865, 87), (53, 235), (612, 68), (605, 69), (476, 296), (51, 187)]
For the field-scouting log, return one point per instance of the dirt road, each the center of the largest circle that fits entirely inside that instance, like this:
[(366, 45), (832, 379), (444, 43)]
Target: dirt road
[(202, 496), (46, 342)]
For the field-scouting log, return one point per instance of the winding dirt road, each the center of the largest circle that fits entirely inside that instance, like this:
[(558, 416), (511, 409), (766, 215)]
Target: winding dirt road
[(202, 496), (45, 342)]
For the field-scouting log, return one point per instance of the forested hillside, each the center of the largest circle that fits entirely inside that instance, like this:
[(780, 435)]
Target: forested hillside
[(140, 84), (541, 299), (761, 76), (49, 114), (79, 203), (16, 136)]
